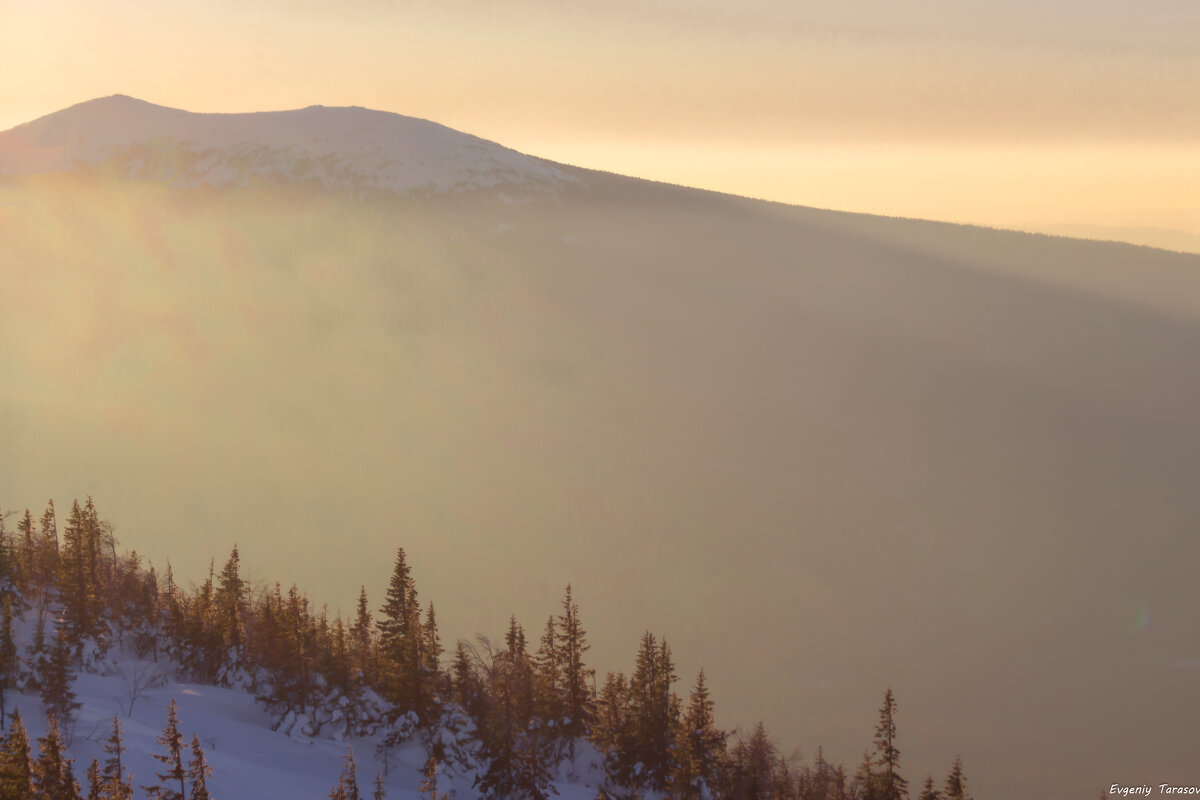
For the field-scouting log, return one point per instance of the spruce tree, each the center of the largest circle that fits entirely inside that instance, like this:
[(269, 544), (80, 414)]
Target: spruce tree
[(37, 656), (338, 663), (47, 551), (761, 759), (929, 791), (824, 778), (16, 763), (547, 671), (10, 664), (25, 547), (347, 785), (518, 752), (572, 644), (891, 785), (230, 601), (117, 784), (700, 748), (400, 641), (57, 677), (8, 563), (399, 609), (431, 658), (955, 787), (611, 712), (362, 641), (175, 774), (95, 782), (654, 712), (380, 792), (198, 772), (429, 781), (466, 687), (866, 779), (73, 580), (52, 775)]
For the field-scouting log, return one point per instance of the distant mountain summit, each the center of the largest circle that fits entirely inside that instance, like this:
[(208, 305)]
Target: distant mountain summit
[(345, 148)]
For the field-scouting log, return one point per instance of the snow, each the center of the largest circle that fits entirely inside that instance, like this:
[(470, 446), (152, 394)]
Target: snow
[(250, 759), (347, 148)]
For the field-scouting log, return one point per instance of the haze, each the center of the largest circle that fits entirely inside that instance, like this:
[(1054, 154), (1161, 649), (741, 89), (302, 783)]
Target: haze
[(1063, 117), (820, 453)]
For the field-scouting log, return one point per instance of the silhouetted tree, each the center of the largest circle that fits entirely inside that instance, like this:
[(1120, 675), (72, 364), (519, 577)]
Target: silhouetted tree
[(347, 785), (891, 785), (52, 775), (16, 763), (198, 772), (117, 785), (57, 677), (175, 773), (955, 787)]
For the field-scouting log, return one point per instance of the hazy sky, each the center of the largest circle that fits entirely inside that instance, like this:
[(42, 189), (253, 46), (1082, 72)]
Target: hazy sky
[(1018, 113)]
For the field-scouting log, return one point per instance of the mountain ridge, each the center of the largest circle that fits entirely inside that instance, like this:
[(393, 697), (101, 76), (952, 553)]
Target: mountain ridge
[(348, 147)]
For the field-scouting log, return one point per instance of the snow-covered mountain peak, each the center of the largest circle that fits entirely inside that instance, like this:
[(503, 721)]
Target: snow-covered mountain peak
[(347, 148)]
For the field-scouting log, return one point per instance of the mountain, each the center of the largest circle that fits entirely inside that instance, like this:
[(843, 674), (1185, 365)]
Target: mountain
[(821, 453), (344, 148)]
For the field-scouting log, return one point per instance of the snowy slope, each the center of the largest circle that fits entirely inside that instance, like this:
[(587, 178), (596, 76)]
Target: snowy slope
[(345, 148), (250, 761)]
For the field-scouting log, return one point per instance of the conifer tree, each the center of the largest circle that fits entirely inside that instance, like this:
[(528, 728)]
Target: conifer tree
[(16, 763), (785, 780), (47, 551), (572, 644), (398, 611), (36, 655), (10, 664), (175, 774), (929, 791), (431, 656), (401, 642), (825, 781), (700, 748), (361, 638), (466, 686), (429, 781), (612, 713), (654, 711), (198, 772), (518, 752), (73, 582), (955, 787), (347, 785), (8, 565), (25, 547), (52, 775), (547, 671), (338, 664), (840, 783), (117, 784), (760, 763), (517, 674), (866, 779), (230, 601), (94, 781), (57, 677), (380, 792), (891, 785)]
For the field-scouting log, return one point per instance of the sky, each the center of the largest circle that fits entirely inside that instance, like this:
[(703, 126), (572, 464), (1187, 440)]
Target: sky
[(1065, 116)]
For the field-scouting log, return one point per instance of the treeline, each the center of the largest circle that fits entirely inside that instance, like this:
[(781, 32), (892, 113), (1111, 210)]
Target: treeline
[(512, 712)]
